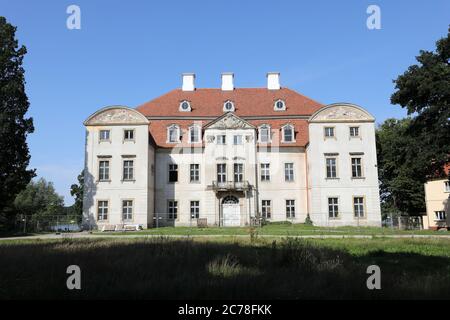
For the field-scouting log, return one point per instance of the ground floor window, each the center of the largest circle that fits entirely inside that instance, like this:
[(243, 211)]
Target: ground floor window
[(127, 210), (440, 215), (102, 210), (333, 207), (172, 209), (266, 209), (195, 209), (290, 209), (358, 207)]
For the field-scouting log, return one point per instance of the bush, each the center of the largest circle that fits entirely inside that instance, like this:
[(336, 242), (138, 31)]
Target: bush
[(308, 220)]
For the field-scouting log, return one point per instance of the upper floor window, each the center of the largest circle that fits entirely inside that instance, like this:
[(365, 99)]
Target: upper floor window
[(221, 139), (288, 133), (265, 171), (104, 135), (238, 172), (221, 172), (173, 134), (354, 132), (127, 210), (103, 170), (264, 133), (329, 132), (356, 168), (173, 173), (279, 105), (185, 106), (128, 170), (128, 134), (194, 172), (228, 106), (358, 207), (447, 186), (237, 139), (194, 134), (289, 171), (331, 168)]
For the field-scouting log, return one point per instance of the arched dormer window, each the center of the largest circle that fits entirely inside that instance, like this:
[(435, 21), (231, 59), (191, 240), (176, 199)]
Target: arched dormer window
[(279, 105), (288, 133), (195, 133), (185, 106), (264, 133), (228, 106), (173, 134)]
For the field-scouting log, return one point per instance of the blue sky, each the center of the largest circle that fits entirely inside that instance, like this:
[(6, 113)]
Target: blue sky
[(129, 52)]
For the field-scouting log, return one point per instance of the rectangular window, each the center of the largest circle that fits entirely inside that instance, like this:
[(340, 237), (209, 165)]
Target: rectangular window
[(194, 172), (358, 206), (356, 168), (104, 135), (331, 168), (103, 170), (289, 172), (447, 186), (173, 173), (266, 209), (127, 210), (174, 135), (333, 207), (238, 172), (221, 139), (237, 139), (264, 134), (290, 209), (172, 209), (102, 210), (329, 132), (195, 209), (354, 131), (128, 135), (128, 170), (221, 172), (194, 134), (440, 215), (265, 171)]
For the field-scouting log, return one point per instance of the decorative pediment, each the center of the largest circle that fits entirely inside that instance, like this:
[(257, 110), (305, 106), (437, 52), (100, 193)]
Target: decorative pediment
[(341, 113), (229, 121), (116, 115)]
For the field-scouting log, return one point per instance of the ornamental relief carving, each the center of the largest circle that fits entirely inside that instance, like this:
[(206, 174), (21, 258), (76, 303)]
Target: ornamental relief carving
[(115, 116), (230, 122), (342, 113)]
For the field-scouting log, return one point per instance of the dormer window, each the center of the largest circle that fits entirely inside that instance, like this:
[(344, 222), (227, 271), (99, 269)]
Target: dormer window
[(279, 105), (264, 133), (288, 133), (185, 106), (173, 134), (228, 106), (194, 134)]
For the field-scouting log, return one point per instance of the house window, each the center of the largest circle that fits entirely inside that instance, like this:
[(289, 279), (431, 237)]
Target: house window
[(265, 171), (356, 168), (195, 209), (221, 172), (358, 207), (237, 139), (288, 133), (264, 133), (354, 131), (128, 135), (127, 210), (172, 209), (329, 132), (104, 135), (333, 207), (221, 139), (440, 215), (194, 172), (194, 134), (266, 209), (102, 210), (173, 173), (173, 134), (447, 186), (128, 170), (289, 172), (290, 209), (279, 105), (238, 172), (103, 170), (331, 168)]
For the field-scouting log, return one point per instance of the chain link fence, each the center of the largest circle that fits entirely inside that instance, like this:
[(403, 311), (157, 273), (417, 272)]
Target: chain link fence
[(48, 223)]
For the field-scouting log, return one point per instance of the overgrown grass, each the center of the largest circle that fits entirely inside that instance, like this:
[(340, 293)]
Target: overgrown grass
[(159, 268)]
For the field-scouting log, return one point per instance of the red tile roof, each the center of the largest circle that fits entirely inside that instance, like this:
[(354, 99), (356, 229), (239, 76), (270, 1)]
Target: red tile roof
[(248, 102)]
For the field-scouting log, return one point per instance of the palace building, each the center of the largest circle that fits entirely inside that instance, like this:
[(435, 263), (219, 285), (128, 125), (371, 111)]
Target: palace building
[(230, 157)]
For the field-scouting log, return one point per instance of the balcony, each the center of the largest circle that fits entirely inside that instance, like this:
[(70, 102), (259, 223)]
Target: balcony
[(230, 186)]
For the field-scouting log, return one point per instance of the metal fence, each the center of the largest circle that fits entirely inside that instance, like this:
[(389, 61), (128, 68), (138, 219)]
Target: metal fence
[(48, 223), (403, 222)]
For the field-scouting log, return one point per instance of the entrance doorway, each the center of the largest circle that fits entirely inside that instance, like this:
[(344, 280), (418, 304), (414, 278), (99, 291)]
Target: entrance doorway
[(231, 212)]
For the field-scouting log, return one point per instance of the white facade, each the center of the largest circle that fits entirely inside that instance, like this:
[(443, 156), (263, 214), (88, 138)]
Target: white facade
[(229, 178)]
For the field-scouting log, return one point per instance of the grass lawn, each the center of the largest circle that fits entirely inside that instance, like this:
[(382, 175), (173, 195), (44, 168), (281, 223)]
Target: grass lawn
[(225, 268)]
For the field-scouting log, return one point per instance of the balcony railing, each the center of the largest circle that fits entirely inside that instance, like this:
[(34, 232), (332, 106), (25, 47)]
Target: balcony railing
[(230, 185)]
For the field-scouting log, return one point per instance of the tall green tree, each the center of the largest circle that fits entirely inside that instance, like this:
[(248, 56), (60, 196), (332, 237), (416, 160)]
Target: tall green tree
[(14, 126), (76, 190), (424, 90)]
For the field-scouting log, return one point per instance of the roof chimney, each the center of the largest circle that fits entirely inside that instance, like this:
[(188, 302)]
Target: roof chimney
[(188, 82), (273, 80), (227, 81)]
